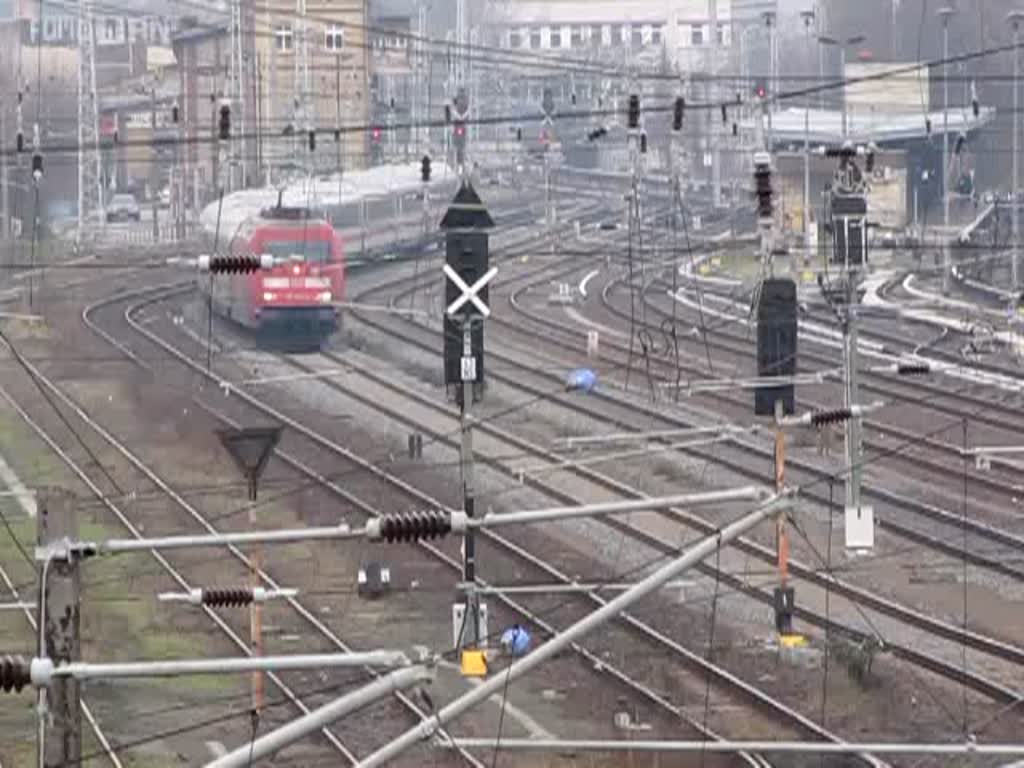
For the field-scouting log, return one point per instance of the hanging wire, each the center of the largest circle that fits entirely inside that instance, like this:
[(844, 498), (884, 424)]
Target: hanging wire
[(255, 718)]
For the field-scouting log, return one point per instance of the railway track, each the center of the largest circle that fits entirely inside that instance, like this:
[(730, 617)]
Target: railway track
[(234, 634), (516, 605), (1005, 651)]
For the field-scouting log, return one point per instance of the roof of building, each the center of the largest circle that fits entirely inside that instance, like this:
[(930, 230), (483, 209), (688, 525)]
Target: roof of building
[(826, 126)]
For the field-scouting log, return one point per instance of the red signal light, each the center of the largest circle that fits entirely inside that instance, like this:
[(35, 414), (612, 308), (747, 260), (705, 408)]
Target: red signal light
[(761, 92), (460, 130), (376, 134)]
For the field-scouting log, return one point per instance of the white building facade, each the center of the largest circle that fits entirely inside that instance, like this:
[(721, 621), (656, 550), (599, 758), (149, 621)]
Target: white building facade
[(681, 29)]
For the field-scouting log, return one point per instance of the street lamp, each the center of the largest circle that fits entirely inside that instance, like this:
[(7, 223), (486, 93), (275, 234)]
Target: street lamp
[(808, 18), (842, 45), (944, 14), (1015, 17)]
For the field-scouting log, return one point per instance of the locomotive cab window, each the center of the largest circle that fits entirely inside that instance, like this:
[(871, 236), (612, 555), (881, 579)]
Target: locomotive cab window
[(318, 251)]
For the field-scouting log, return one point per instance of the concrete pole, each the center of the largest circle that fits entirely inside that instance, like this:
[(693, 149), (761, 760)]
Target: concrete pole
[(472, 633), (154, 175), (850, 393), (842, 77), (1015, 19), (59, 630), (498, 682), (945, 13), (716, 155), (309, 724), (808, 17), (5, 191)]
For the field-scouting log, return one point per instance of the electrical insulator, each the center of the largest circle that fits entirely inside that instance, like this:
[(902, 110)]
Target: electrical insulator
[(391, 103), (928, 126), (227, 597), (117, 135), (312, 140), (763, 184), (519, 134), (633, 117), (447, 113), (175, 113), (677, 113), (643, 143), (959, 144), (415, 526), (834, 416), (975, 105), (225, 122), (20, 143), (234, 265), (597, 133), (572, 98), (337, 135), (725, 116), (425, 169), (735, 129), (913, 369), (15, 673)]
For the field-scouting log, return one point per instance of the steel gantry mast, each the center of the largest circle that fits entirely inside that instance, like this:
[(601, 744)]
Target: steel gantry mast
[(303, 120), (90, 177), (236, 92)]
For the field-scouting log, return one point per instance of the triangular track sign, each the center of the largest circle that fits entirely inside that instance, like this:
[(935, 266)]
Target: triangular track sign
[(250, 447)]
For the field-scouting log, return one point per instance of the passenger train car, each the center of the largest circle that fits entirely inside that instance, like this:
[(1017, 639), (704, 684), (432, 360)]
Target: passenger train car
[(292, 304)]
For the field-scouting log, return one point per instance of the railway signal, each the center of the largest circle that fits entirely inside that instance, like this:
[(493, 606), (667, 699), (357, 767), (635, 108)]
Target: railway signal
[(425, 169), (466, 224), (677, 113), (633, 114), (224, 122)]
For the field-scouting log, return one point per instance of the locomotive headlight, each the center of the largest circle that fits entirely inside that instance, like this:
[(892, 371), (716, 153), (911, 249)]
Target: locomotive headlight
[(325, 297), (269, 295)]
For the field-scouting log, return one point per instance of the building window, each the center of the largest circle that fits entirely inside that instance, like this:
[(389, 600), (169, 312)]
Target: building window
[(283, 38), (697, 35), (595, 35), (110, 30), (334, 38), (535, 38), (636, 36), (515, 39), (721, 34), (616, 38), (556, 37), (656, 36), (577, 37)]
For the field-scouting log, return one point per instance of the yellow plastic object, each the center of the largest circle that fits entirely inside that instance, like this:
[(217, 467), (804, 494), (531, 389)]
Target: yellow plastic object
[(716, 261), (792, 641), (808, 276), (474, 663), (703, 269)]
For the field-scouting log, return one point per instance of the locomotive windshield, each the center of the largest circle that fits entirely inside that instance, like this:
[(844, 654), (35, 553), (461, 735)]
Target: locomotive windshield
[(318, 251)]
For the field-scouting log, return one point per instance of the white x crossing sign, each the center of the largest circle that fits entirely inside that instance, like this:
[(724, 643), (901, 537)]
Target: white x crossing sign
[(469, 292)]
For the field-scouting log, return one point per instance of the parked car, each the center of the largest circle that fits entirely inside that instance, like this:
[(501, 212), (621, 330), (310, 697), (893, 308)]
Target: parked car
[(122, 207)]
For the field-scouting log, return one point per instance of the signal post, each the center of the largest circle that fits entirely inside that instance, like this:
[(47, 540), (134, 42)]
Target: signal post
[(467, 272)]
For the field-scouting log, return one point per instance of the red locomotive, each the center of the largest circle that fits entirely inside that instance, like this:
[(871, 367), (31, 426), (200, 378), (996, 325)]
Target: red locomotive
[(295, 302)]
